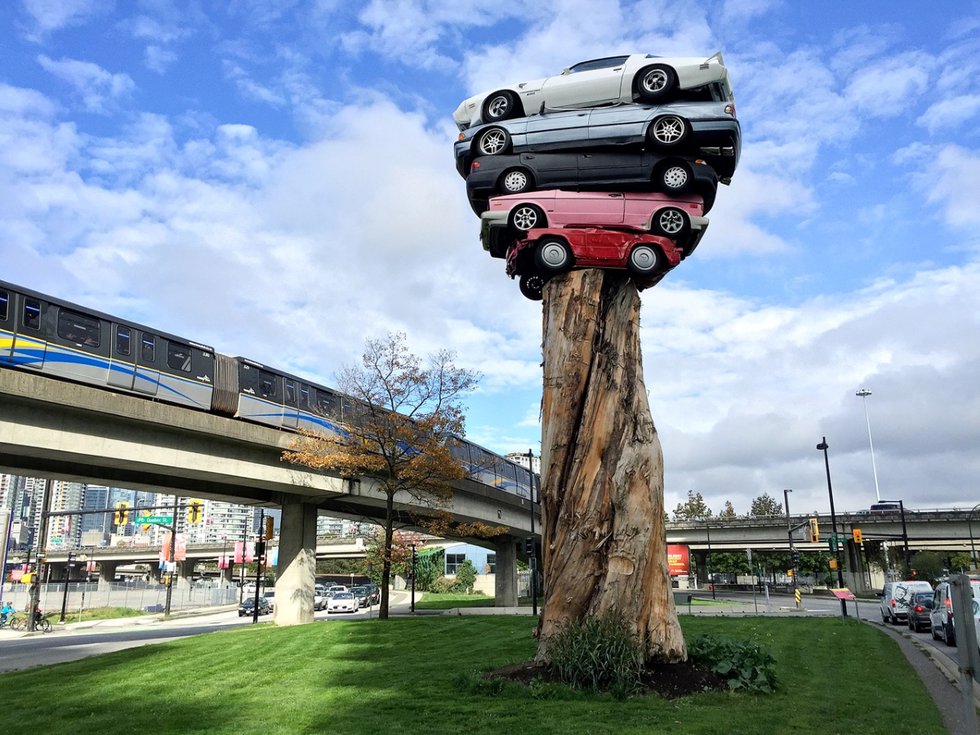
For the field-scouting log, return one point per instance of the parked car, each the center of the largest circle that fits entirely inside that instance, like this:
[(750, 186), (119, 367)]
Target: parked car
[(319, 597), (609, 80), (704, 130), (550, 251), (248, 607), (651, 211), (941, 615), (621, 170), (919, 608), (342, 602), (334, 589), (363, 595), (895, 598)]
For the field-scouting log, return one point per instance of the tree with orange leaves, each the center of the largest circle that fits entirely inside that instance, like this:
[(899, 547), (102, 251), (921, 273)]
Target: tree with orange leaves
[(405, 415)]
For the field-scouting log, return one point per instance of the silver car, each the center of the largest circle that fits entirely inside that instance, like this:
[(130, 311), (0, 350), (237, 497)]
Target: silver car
[(706, 129)]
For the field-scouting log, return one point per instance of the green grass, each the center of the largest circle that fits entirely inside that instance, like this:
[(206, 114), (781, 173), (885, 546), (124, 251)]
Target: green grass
[(449, 600), (100, 613), (406, 676)]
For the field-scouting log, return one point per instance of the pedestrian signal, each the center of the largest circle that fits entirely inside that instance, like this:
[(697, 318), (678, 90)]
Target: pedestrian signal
[(270, 526)]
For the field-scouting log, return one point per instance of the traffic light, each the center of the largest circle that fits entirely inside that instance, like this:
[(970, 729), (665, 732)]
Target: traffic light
[(529, 546), (121, 516), (814, 530), (270, 524), (195, 511), (856, 533), (795, 555)]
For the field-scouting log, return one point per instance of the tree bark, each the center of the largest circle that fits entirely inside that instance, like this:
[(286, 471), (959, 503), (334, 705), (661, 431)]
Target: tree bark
[(602, 468)]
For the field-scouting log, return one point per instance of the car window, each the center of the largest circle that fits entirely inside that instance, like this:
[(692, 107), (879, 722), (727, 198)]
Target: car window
[(593, 64)]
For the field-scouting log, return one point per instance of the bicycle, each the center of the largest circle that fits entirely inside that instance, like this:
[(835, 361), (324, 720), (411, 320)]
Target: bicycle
[(20, 621)]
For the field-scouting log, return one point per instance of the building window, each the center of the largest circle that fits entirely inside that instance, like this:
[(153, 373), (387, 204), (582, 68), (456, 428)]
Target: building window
[(491, 563), (453, 562)]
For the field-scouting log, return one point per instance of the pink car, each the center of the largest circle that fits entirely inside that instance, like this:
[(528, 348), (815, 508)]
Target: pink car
[(660, 214)]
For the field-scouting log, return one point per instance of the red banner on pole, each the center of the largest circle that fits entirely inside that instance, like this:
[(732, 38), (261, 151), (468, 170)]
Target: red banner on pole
[(678, 560), (239, 552)]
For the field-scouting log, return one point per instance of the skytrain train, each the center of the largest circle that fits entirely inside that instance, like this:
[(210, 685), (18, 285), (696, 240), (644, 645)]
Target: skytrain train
[(47, 335)]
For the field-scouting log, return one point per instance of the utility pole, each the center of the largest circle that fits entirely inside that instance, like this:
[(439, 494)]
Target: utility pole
[(532, 560), (42, 542), (173, 555)]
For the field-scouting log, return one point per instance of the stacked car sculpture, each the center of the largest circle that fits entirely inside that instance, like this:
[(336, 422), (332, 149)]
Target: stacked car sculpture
[(613, 164)]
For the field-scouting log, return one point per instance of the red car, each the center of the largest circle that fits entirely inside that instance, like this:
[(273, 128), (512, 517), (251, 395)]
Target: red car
[(551, 250)]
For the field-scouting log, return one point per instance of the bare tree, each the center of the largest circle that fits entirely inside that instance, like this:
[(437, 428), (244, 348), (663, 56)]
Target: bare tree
[(404, 417)]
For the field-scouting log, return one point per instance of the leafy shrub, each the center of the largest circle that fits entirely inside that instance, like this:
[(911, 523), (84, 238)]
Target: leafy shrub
[(444, 585), (745, 665), (466, 576), (597, 653)]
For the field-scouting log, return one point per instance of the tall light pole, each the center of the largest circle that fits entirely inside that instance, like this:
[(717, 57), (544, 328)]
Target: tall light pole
[(863, 394), (823, 446), (789, 533)]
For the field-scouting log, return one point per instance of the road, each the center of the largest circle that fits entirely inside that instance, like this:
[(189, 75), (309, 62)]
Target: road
[(20, 651)]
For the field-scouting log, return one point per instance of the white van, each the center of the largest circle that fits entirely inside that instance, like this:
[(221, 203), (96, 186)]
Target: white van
[(895, 598)]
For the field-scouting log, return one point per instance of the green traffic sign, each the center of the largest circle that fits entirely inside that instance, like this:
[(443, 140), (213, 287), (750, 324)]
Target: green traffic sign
[(156, 520)]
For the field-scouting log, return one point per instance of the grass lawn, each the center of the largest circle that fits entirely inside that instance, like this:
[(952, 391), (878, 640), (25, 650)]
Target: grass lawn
[(449, 600), (409, 675)]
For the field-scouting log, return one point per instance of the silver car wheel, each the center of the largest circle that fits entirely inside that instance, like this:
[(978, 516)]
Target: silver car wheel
[(671, 221), (515, 181), (499, 106), (492, 142), (643, 259), (675, 178), (552, 256), (669, 130), (527, 218), (654, 81)]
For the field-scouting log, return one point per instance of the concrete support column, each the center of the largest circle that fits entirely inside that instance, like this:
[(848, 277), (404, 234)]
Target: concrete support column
[(701, 559), (505, 583), (296, 571), (225, 575), (107, 573), (185, 574)]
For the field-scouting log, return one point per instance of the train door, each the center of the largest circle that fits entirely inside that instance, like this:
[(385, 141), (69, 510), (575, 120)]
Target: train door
[(147, 378), (122, 363), (290, 414), (26, 346), (6, 325)]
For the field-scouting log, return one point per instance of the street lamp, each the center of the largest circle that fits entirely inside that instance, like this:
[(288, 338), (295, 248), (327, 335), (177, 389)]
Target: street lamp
[(823, 446), (789, 533), (532, 562), (707, 560), (413, 578), (863, 394)]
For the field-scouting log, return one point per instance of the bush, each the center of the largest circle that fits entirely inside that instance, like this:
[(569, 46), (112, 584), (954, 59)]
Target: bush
[(597, 653), (744, 664), (466, 577), (444, 585)]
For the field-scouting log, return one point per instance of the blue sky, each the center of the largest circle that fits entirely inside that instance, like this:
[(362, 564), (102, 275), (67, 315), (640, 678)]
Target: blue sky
[(276, 179)]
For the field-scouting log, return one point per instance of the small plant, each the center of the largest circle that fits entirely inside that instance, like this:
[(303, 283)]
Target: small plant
[(597, 653), (745, 665)]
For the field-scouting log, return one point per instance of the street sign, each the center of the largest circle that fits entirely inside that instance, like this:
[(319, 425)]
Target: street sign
[(156, 520)]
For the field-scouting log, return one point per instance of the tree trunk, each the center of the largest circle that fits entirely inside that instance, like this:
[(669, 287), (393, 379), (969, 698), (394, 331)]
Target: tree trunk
[(602, 469)]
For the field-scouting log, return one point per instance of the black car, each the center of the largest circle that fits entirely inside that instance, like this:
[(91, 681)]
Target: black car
[(248, 607), (919, 608), (639, 170)]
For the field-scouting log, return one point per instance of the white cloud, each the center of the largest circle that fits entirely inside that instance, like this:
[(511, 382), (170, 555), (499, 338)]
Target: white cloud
[(950, 113), (52, 15), (96, 87)]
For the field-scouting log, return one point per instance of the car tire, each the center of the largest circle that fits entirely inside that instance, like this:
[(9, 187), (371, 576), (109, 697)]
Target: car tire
[(500, 106), (532, 287), (949, 636), (553, 256), (668, 131), (675, 177), (670, 222), (515, 181), (645, 260), (655, 82), (526, 217), (492, 142)]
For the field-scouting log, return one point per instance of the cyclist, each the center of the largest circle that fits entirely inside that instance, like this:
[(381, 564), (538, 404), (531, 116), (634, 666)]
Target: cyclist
[(37, 617), (5, 612)]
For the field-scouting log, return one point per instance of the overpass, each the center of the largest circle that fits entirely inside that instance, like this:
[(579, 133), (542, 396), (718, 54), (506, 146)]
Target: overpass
[(50, 428)]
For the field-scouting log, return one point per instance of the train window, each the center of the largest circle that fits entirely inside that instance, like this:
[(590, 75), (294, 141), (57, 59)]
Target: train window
[(4, 300), (124, 340), (304, 395), (78, 328), (179, 357), (32, 313), (267, 384), (290, 393), (326, 403), (148, 348)]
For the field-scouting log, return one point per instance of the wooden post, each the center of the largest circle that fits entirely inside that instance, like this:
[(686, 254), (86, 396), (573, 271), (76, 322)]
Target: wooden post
[(602, 469)]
